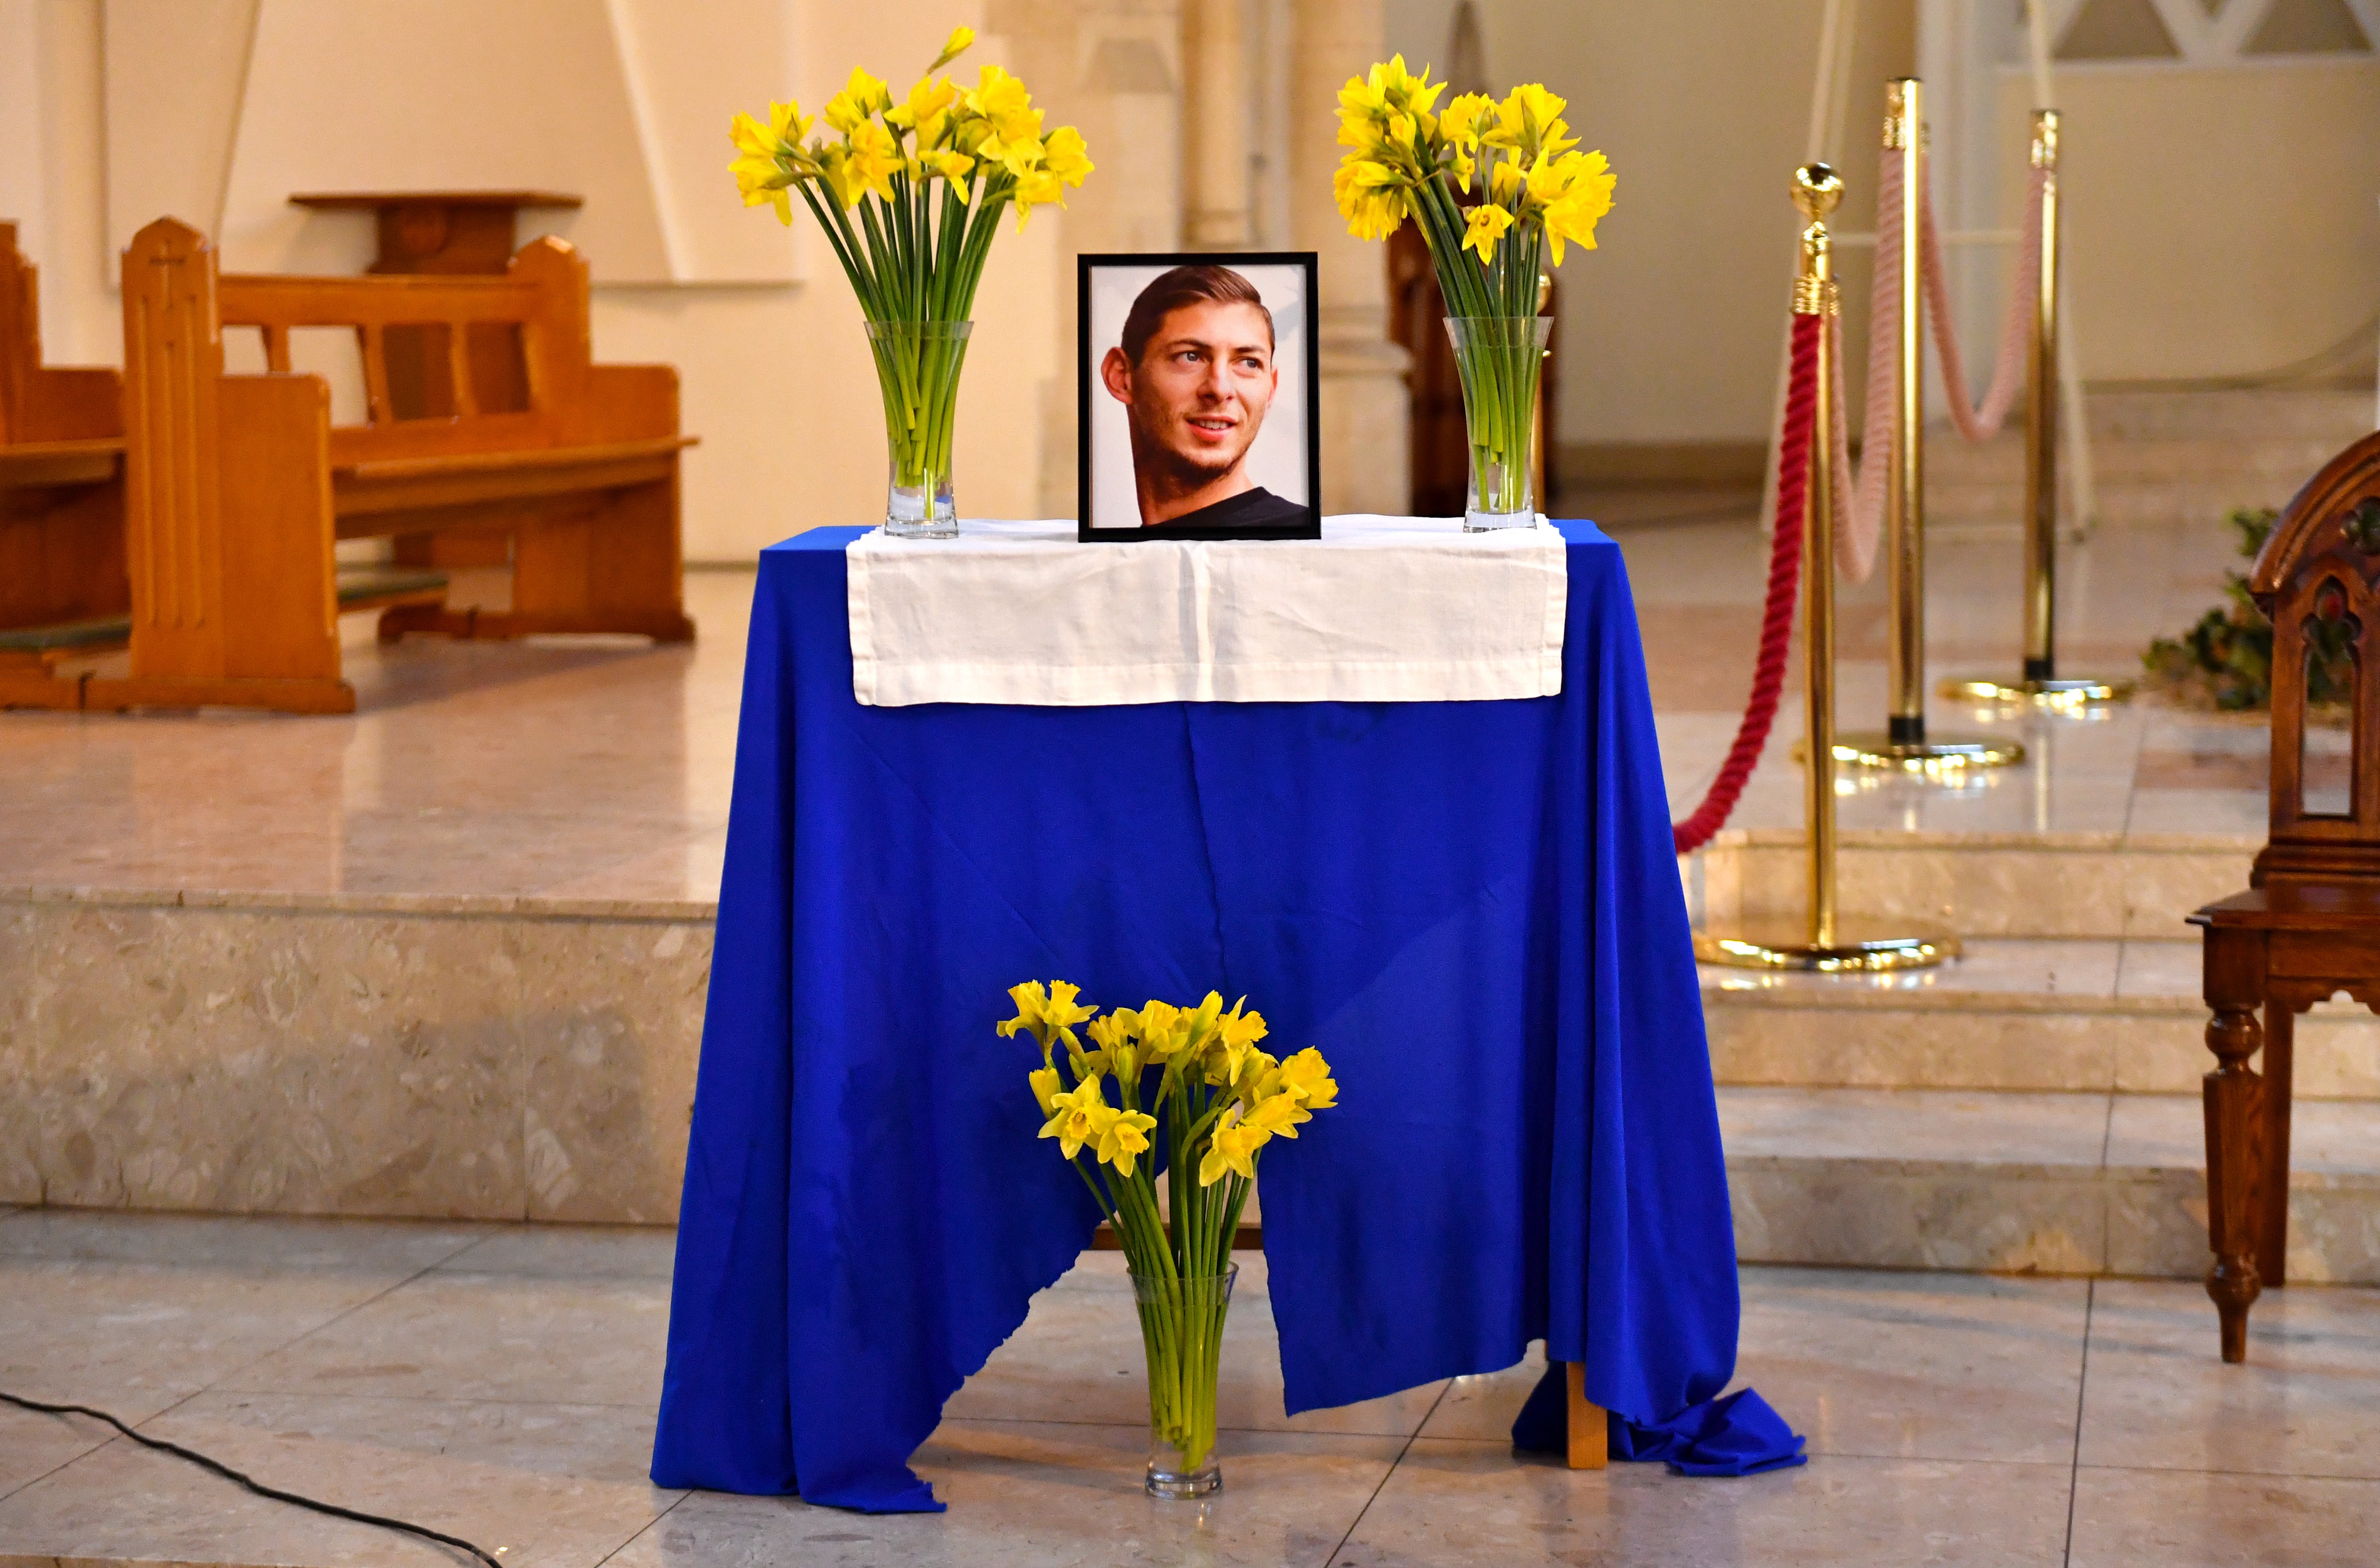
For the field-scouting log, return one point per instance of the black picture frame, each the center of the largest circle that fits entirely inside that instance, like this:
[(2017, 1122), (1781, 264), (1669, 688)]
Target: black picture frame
[(1088, 528)]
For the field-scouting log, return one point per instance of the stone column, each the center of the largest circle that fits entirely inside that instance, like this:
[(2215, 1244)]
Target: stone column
[(1215, 79), (1366, 407)]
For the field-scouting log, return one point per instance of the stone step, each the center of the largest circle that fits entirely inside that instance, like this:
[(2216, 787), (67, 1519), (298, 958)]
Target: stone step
[(2050, 1184), (2180, 505), (2092, 885), (1952, 467), (2159, 459), (2337, 415), (2012, 1015)]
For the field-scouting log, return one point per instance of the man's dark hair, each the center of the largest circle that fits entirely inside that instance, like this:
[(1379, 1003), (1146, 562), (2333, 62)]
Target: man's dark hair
[(1171, 291)]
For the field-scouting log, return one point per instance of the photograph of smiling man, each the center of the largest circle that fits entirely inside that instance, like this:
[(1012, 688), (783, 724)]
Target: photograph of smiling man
[(1198, 394)]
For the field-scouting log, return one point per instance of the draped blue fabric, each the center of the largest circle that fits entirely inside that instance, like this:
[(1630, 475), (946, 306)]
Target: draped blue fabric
[(1473, 909)]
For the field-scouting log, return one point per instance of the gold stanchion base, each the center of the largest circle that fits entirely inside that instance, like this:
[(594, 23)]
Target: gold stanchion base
[(1943, 756), (1861, 945), (2078, 693)]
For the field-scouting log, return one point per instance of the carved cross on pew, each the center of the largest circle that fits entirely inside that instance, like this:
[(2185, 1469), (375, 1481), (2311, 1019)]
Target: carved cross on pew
[(2308, 925)]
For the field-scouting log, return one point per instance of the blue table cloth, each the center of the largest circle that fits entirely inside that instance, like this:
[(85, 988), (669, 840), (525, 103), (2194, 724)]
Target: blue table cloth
[(1473, 909)]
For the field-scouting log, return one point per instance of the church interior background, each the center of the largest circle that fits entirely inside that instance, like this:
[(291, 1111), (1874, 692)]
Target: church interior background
[(346, 1059)]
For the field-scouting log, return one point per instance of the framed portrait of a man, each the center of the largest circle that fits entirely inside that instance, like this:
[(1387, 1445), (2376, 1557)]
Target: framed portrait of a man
[(1199, 399)]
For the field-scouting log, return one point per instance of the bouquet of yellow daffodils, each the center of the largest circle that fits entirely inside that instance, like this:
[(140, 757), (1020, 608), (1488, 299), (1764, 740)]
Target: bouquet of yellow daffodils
[(909, 196), (1195, 1079), (1532, 193)]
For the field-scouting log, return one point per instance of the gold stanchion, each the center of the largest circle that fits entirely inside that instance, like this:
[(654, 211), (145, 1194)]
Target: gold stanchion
[(1826, 939), (2041, 683), (1905, 744)]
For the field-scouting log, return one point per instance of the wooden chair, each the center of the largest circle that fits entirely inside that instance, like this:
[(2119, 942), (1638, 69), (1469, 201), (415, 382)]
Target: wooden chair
[(62, 588), (2308, 925), (239, 486)]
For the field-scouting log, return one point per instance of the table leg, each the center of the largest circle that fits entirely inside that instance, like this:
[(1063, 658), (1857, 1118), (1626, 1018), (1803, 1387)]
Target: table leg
[(2234, 1099), (1590, 1432), (2273, 1164)]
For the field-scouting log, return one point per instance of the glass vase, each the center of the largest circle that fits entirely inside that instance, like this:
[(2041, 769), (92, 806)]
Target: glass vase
[(918, 365), (1498, 358), (1181, 1329)]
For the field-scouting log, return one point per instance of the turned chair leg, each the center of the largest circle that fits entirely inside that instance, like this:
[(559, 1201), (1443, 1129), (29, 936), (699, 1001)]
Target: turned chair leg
[(2234, 1103), (2272, 1148)]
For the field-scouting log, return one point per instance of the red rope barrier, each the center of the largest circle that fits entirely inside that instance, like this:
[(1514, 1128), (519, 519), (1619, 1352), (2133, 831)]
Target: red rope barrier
[(1784, 577)]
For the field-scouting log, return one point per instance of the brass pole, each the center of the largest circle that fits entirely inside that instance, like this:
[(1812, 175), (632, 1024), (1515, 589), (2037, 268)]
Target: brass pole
[(1904, 745), (2041, 683), (1904, 135), (2041, 427), (1825, 940), (1816, 191)]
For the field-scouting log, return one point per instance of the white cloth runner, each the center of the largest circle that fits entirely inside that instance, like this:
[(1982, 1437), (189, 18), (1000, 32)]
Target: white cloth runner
[(1377, 610)]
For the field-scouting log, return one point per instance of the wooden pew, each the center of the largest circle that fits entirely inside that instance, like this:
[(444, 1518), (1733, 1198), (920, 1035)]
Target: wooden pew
[(62, 579), (239, 486)]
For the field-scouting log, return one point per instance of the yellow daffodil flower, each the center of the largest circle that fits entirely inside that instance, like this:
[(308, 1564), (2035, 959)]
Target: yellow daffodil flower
[(875, 158), (761, 180), (953, 165), (960, 41), (1045, 1087), (1371, 199), (1232, 1152), (1204, 1020), (1364, 100), (1307, 1077), (1002, 101), (1522, 117), (1393, 87), (835, 173), (1239, 1027), (1047, 1015), (1114, 1036), (1039, 188), (1587, 183), (1278, 1117), (1164, 1032), (1064, 154), (1076, 1118), (1020, 155), (1506, 184), (1124, 1137), (1483, 228), (926, 111), (861, 96), (1460, 124)]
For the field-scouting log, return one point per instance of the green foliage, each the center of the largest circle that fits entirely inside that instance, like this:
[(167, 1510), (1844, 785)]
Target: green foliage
[(2227, 659)]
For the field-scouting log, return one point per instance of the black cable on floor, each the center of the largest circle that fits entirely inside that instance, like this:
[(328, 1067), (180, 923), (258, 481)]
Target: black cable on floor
[(259, 1488)]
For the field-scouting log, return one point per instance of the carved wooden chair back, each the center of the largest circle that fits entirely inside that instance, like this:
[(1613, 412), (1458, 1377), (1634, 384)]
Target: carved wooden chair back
[(2318, 579)]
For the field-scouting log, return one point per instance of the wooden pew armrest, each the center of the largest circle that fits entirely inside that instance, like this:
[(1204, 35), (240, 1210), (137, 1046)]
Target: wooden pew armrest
[(91, 461), (381, 469)]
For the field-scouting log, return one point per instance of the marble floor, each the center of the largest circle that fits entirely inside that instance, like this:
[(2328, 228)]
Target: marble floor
[(499, 1383), (594, 768)]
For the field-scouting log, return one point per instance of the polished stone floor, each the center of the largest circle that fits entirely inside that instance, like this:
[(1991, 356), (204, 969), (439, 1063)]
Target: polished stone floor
[(499, 1383), (588, 769)]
